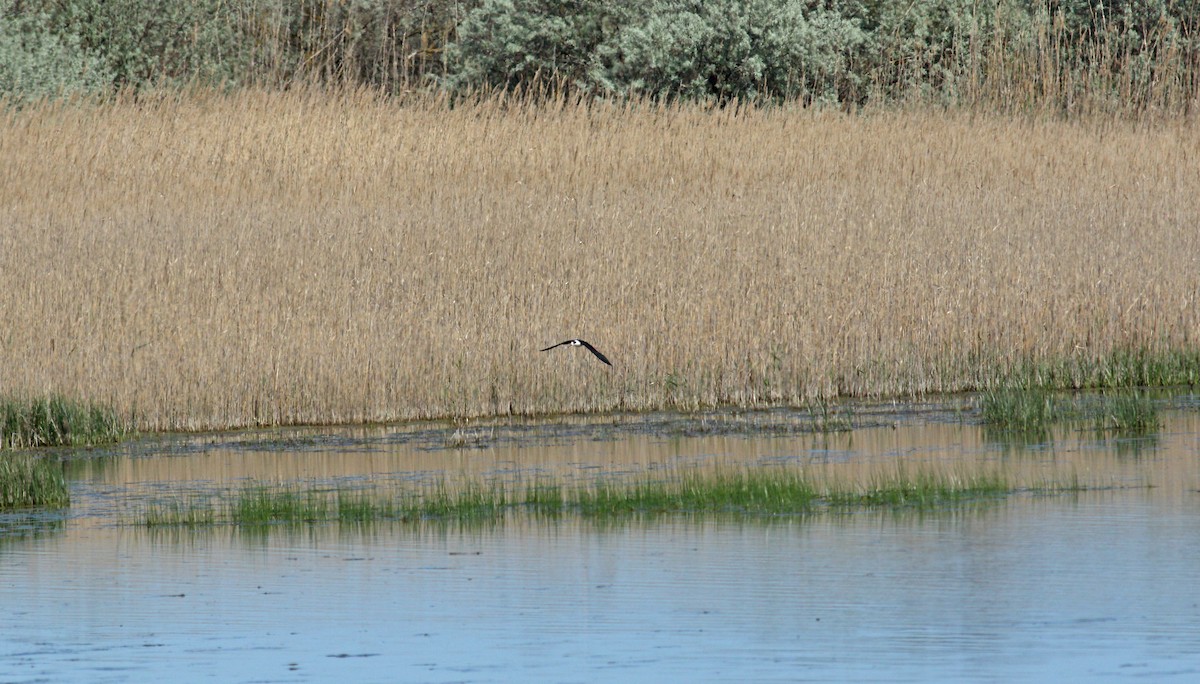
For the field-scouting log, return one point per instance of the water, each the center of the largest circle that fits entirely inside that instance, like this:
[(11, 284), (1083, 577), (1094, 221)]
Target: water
[(1094, 585)]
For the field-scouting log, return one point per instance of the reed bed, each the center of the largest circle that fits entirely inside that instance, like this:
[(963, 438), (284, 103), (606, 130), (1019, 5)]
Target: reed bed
[(208, 261)]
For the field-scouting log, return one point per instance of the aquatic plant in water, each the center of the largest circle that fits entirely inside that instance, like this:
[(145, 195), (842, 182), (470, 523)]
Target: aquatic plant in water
[(186, 512), (752, 491), (56, 421), (923, 488), (1127, 414), (1030, 412), (1020, 410), (31, 480), (261, 505)]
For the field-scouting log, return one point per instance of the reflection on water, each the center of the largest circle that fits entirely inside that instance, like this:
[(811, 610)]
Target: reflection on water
[(1087, 585)]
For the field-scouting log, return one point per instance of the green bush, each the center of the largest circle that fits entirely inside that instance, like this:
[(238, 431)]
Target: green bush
[(512, 43), (1068, 55), (718, 49), (148, 43), (35, 61), (1011, 53), (158, 42), (732, 49)]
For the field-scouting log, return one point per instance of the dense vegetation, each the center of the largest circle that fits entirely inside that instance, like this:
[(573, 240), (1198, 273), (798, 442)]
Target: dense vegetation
[(1061, 55), (269, 212), (265, 257), (56, 421), (27, 481), (758, 491)]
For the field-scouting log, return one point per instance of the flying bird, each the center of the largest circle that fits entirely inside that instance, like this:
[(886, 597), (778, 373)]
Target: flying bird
[(580, 343)]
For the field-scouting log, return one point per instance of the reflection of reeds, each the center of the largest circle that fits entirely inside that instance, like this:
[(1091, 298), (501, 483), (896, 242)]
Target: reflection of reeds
[(257, 258), (186, 512), (928, 486), (463, 438), (757, 491), (1126, 414)]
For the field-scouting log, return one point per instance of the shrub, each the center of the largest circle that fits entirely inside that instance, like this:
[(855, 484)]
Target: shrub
[(1065, 54), (35, 61), (730, 49), (158, 42), (510, 43), (1068, 55), (721, 49)]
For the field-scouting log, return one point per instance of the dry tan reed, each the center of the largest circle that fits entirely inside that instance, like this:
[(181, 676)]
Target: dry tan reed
[(261, 258)]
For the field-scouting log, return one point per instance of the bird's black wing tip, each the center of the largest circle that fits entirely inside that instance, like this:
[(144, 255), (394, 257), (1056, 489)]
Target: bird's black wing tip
[(593, 350)]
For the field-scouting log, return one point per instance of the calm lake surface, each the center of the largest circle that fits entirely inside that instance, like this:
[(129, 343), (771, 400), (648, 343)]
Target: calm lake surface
[(1102, 584)]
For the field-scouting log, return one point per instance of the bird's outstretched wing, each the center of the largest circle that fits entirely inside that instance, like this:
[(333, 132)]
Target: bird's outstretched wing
[(577, 342), (593, 350)]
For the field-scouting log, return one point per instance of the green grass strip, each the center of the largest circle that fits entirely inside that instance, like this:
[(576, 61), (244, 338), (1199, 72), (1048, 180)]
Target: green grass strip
[(261, 505), (1121, 368), (766, 491), (922, 489)]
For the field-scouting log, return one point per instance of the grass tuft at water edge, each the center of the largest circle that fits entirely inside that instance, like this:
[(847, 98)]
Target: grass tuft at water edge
[(31, 480), (56, 420)]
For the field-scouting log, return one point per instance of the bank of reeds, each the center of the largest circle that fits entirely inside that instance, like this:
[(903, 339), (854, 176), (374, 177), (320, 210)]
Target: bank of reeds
[(56, 421), (27, 480), (212, 261)]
